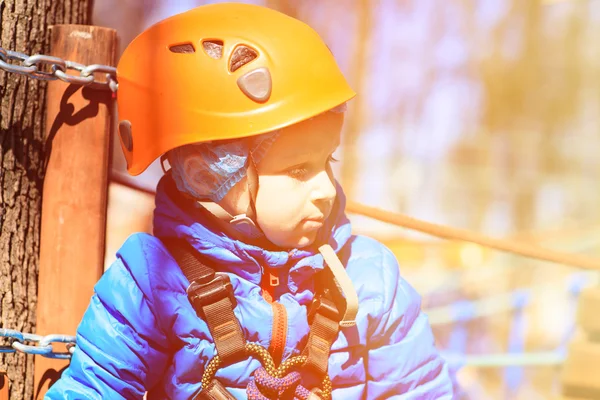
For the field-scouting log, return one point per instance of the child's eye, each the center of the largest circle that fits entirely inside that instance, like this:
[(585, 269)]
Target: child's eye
[(297, 173), (300, 171)]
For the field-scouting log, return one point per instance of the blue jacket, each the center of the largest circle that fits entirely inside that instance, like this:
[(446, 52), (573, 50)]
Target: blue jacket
[(140, 333)]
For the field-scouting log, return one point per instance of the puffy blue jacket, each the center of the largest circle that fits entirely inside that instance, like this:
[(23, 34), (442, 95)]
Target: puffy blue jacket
[(140, 332)]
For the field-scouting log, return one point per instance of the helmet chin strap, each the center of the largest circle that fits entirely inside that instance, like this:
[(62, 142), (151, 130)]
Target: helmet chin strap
[(247, 223)]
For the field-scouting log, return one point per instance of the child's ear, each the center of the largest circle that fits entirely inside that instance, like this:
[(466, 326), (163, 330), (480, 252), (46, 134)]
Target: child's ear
[(191, 166)]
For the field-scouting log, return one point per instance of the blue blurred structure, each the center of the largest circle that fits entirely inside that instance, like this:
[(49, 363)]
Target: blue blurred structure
[(515, 361)]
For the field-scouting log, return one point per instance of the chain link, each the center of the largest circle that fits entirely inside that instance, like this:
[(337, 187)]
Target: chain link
[(43, 345), (49, 68)]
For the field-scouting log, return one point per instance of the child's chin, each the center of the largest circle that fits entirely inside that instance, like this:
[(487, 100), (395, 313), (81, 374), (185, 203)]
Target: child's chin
[(305, 241), (297, 242)]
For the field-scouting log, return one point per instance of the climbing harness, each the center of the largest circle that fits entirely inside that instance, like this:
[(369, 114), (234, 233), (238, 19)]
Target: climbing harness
[(211, 295)]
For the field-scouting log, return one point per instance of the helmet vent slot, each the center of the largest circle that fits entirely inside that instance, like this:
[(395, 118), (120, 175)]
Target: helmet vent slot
[(214, 48), (242, 55), (184, 48)]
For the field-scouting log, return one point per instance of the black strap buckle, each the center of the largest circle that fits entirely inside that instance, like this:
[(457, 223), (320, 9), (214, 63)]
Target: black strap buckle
[(209, 289), (325, 307)]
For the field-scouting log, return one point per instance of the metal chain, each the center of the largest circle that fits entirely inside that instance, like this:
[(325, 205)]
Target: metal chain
[(33, 67), (43, 347)]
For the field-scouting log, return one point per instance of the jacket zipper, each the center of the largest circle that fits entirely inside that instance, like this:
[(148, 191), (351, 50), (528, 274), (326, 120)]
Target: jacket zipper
[(279, 332)]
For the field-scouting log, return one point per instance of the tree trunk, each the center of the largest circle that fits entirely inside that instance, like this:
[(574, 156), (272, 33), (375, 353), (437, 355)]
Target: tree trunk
[(25, 29)]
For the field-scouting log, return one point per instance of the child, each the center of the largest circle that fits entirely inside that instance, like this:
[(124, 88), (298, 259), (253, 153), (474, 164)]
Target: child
[(247, 105)]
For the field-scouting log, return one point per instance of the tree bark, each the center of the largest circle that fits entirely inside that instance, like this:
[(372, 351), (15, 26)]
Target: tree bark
[(24, 28)]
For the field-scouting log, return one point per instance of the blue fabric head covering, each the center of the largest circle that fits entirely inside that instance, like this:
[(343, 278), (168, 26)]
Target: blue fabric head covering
[(218, 165)]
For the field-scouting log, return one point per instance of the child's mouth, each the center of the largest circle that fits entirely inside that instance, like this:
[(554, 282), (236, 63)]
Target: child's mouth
[(313, 223)]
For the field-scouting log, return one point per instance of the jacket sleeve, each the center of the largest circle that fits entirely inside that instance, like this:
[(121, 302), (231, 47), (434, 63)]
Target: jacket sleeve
[(120, 351), (403, 362)]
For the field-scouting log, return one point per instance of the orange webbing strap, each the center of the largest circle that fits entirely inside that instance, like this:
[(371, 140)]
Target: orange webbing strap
[(214, 391), (447, 232), (324, 318), (212, 297)]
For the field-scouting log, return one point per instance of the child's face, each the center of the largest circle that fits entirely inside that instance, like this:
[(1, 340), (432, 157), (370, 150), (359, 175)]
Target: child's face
[(296, 186)]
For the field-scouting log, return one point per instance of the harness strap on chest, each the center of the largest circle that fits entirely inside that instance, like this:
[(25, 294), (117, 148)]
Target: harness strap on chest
[(324, 319), (211, 295), (335, 305)]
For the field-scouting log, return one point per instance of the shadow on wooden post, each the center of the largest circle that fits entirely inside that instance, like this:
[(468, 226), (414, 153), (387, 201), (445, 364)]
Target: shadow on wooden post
[(78, 122)]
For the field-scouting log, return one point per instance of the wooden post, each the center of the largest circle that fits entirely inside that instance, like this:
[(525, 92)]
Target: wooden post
[(75, 191)]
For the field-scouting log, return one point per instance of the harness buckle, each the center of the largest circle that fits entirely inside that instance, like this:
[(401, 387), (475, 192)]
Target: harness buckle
[(209, 289), (325, 307)]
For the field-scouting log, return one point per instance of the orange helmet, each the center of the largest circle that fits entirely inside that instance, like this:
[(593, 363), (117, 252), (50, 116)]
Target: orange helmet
[(221, 71)]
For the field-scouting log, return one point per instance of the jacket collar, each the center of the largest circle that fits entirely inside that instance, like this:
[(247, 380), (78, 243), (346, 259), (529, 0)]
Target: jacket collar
[(178, 216)]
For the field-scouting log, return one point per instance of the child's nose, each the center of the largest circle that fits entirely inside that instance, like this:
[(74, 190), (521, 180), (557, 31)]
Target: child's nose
[(323, 188)]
